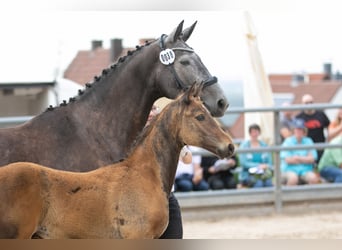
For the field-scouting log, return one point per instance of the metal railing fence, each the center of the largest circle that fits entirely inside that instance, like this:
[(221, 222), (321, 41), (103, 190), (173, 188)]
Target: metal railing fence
[(277, 147), (278, 189)]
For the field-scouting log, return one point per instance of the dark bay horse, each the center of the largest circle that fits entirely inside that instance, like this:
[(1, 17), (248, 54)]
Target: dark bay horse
[(98, 126), (128, 199)]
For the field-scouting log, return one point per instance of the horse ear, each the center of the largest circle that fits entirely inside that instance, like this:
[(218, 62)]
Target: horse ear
[(199, 86), (175, 33), (193, 92), (188, 31)]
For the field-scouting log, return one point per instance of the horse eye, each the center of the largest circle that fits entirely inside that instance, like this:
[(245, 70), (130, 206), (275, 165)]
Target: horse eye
[(200, 117), (185, 62)]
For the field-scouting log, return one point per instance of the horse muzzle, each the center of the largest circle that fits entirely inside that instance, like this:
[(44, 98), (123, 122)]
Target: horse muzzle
[(226, 152)]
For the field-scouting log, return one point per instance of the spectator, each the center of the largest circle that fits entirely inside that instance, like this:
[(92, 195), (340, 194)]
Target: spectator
[(219, 173), (286, 122), (330, 165), (189, 177), (297, 166), (256, 167), (335, 127), (153, 113), (315, 121), (185, 155)]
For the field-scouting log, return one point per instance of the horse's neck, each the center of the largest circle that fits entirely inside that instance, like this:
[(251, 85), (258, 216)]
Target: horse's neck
[(159, 151), (117, 106)]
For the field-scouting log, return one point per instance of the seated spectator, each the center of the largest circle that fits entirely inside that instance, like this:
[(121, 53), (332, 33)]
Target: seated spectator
[(330, 165), (218, 172), (297, 166), (335, 127), (189, 177), (256, 167), (286, 122)]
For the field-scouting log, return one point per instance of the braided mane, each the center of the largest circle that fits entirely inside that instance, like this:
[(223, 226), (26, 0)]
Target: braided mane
[(105, 72)]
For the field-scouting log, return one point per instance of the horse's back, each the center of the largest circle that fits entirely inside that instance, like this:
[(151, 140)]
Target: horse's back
[(24, 143), (55, 145), (10, 143)]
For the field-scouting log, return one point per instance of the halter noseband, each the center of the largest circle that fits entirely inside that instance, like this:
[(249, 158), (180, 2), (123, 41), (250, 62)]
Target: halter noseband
[(167, 57)]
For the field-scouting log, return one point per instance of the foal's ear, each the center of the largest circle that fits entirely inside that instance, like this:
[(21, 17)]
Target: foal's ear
[(193, 92), (175, 33), (188, 31)]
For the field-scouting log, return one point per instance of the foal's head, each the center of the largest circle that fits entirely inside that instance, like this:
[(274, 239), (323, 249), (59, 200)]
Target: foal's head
[(198, 128)]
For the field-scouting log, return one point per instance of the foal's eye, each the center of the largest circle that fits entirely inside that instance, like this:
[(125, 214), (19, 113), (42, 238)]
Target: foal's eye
[(200, 117), (184, 62)]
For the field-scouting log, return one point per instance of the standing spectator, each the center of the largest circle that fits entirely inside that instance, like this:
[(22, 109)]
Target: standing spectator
[(297, 166), (256, 167), (189, 177), (219, 172), (330, 165), (315, 121), (286, 122), (335, 127), (153, 113)]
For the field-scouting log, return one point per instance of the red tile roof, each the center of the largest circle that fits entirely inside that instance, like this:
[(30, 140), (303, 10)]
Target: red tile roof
[(286, 78), (90, 63), (87, 64), (322, 91)]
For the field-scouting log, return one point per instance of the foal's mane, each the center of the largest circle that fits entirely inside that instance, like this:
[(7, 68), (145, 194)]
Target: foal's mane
[(112, 69), (175, 104)]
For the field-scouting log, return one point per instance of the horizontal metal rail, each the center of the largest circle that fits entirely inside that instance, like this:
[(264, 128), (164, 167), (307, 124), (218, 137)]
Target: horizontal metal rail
[(279, 148), (14, 120), (317, 106), (258, 195), (218, 204)]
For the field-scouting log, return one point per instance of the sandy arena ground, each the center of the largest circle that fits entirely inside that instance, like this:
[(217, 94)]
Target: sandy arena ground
[(326, 225)]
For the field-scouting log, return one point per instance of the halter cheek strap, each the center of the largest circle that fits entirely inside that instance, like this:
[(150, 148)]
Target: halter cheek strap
[(167, 57)]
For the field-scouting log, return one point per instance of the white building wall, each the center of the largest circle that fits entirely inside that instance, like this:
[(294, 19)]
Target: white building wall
[(32, 101)]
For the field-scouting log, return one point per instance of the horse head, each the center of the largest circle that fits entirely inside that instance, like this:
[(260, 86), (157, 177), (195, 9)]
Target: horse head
[(180, 64), (199, 128)]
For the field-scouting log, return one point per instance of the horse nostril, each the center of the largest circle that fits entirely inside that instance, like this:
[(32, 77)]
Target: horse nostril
[(231, 148), (222, 104)]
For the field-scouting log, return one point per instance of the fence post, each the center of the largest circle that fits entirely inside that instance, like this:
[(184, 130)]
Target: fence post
[(277, 172)]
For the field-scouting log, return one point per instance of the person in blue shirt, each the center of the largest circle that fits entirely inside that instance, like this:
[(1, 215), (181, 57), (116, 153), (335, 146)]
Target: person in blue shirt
[(297, 166), (257, 170)]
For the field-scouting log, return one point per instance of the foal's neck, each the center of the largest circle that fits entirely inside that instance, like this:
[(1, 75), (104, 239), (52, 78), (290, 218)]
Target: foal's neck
[(159, 151)]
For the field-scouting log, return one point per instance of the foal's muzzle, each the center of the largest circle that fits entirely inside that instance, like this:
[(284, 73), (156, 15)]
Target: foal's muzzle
[(227, 151)]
